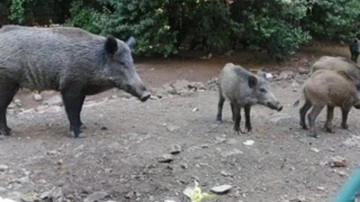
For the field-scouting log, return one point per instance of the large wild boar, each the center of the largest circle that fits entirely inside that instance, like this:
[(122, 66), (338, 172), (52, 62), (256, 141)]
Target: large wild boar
[(70, 60), (355, 49), (328, 88), (337, 63), (243, 89)]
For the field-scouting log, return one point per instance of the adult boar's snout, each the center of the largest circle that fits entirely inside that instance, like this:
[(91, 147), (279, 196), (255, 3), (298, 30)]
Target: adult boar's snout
[(140, 92), (275, 106), (146, 95)]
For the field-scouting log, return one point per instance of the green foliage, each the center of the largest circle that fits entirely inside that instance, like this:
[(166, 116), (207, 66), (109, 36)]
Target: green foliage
[(84, 17), (164, 27), (274, 26), (146, 20), (17, 10), (210, 25), (333, 19)]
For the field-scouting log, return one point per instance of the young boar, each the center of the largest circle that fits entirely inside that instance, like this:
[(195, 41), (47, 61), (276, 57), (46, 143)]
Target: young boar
[(331, 88), (354, 49), (243, 89), (70, 60)]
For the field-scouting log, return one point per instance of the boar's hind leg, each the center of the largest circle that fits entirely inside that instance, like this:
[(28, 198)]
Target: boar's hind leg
[(345, 112), (73, 101), (303, 111), (247, 109), (220, 108), (329, 118), (7, 93), (315, 111)]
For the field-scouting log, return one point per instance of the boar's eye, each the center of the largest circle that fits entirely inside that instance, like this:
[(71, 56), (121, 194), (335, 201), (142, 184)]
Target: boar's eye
[(263, 90)]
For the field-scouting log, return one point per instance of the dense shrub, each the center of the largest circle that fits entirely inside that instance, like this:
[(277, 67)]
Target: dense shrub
[(164, 27), (84, 17), (38, 12), (333, 19)]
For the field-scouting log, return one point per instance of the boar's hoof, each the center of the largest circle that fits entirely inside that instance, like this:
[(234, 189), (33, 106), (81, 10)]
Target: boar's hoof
[(303, 125), (280, 108), (5, 132), (328, 129), (81, 135), (313, 134), (345, 126), (238, 132)]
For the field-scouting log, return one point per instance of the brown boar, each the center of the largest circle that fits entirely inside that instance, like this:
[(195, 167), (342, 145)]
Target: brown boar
[(328, 88)]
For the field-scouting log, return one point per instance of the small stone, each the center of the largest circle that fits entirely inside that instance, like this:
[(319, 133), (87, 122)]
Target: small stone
[(298, 199), (173, 128), (320, 188), (18, 102), (303, 70), (37, 97), (249, 142), (52, 152), (175, 149), (340, 173), (55, 194), (26, 198), (54, 100), (337, 162), (225, 173), (2, 189), (166, 158), (96, 196), (315, 150), (3, 168), (130, 195), (233, 152), (221, 189), (184, 166)]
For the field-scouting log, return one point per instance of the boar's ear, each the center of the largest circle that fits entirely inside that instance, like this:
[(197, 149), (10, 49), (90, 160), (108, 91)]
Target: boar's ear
[(252, 81), (131, 42), (111, 45), (346, 75)]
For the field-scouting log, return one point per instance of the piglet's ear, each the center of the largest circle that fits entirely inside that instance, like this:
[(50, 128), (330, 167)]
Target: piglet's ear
[(131, 42), (252, 81), (111, 45)]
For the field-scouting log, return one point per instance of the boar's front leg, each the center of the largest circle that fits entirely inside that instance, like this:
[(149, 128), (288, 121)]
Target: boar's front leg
[(247, 109), (7, 93), (220, 108), (236, 117), (73, 100)]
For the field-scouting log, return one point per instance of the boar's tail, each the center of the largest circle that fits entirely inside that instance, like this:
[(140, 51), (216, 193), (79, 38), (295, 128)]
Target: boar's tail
[(296, 103)]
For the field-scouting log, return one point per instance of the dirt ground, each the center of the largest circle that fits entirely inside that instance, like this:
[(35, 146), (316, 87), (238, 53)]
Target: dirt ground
[(127, 154)]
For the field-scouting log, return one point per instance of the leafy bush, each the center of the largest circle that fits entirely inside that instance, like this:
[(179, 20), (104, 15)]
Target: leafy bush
[(333, 19), (17, 10), (274, 26), (38, 12), (84, 17)]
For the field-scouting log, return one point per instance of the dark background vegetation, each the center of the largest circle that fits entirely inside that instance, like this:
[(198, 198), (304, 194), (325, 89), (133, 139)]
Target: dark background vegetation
[(167, 27)]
